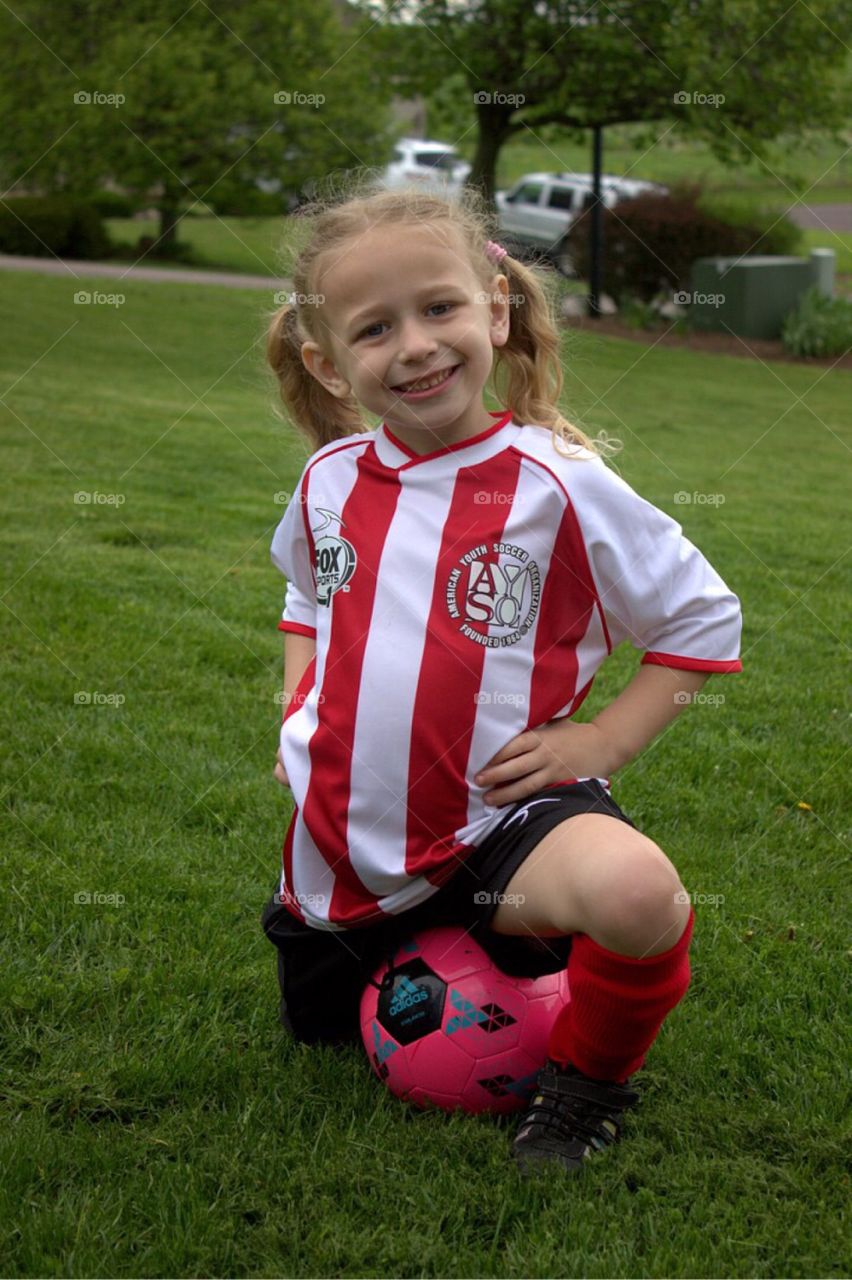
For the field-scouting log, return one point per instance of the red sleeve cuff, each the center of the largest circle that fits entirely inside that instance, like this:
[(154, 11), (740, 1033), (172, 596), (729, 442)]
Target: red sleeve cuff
[(298, 629), (692, 664)]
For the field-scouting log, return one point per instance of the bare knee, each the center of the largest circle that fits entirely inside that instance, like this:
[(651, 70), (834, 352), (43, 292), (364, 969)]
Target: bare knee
[(593, 874), (637, 906)]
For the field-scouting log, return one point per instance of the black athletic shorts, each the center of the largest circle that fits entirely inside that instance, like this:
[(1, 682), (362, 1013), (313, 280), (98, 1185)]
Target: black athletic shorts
[(322, 974)]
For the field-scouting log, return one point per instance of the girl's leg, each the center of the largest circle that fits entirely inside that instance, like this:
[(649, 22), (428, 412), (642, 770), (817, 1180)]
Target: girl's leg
[(600, 880)]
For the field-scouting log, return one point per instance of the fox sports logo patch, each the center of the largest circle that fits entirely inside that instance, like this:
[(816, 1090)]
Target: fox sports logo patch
[(335, 561)]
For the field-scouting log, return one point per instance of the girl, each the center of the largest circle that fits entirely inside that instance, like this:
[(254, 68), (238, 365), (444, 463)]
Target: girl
[(455, 578)]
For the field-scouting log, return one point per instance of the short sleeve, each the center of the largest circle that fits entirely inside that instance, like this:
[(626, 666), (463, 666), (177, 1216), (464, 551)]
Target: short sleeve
[(656, 588), (292, 553)]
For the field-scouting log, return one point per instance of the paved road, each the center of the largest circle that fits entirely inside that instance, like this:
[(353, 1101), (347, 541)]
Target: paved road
[(835, 217), (123, 271)]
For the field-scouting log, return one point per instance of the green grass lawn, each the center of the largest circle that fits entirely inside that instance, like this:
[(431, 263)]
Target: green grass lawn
[(225, 244), (840, 242), (156, 1120)]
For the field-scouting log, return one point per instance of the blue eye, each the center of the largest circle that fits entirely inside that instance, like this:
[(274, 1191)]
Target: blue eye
[(435, 309)]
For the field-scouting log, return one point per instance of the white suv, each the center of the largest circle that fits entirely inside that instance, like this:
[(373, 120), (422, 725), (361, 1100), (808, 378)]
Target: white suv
[(434, 165), (539, 210)]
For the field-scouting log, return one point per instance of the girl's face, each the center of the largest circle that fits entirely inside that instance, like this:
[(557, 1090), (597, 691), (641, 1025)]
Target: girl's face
[(410, 332)]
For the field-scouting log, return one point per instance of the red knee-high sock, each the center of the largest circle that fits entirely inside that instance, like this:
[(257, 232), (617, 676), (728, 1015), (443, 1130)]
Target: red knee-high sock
[(617, 1005)]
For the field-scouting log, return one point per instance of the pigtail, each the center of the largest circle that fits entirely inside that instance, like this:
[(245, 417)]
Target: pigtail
[(319, 415), (528, 370)]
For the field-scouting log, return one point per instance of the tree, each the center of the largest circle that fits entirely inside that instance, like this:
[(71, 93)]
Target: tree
[(177, 104), (779, 68)]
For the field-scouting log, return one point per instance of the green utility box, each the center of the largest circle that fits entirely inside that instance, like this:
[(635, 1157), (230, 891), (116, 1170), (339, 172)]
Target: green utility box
[(753, 296)]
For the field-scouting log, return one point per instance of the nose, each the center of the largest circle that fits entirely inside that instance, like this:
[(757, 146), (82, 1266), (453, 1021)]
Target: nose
[(416, 344)]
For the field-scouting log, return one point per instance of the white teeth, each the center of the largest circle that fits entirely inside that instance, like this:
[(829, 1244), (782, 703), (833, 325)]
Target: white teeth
[(425, 383)]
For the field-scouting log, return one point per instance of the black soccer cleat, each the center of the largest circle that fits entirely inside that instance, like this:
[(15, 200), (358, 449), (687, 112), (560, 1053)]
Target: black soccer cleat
[(570, 1117)]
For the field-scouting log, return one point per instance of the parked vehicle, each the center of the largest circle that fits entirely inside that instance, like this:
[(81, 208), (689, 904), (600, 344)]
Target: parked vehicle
[(539, 211), (434, 165)]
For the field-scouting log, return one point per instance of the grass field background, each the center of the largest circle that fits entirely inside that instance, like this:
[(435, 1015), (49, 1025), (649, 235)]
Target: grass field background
[(156, 1120)]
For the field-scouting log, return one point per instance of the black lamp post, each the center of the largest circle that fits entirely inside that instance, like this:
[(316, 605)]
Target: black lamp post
[(596, 226)]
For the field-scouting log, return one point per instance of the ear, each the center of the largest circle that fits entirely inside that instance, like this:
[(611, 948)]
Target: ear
[(500, 311), (322, 367)]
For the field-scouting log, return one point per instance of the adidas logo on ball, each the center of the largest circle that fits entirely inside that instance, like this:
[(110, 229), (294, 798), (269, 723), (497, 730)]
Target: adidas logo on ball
[(407, 995)]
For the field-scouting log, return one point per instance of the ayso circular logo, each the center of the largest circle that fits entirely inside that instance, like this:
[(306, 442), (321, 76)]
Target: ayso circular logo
[(495, 592)]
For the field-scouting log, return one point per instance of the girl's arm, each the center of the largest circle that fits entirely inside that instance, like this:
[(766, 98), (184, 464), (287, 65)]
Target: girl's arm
[(568, 748), (652, 699), (299, 652)]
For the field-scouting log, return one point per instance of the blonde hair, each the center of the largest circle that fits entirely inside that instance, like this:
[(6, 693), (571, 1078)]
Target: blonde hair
[(527, 375)]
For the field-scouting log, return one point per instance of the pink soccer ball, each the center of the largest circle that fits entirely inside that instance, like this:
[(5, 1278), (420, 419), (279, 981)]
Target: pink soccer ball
[(444, 1027)]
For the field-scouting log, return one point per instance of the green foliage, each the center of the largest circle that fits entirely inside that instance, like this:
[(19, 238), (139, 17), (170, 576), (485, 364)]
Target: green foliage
[(248, 202), (776, 233), (114, 204), (819, 326), (181, 106), (733, 72), (637, 314), (44, 226), (652, 241)]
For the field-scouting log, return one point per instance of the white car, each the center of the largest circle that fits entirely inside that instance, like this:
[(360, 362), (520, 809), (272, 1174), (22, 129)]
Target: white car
[(433, 165), (538, 212)]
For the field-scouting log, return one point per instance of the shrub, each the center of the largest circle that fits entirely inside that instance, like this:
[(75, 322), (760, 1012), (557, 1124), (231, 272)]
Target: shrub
[(774, 232), (113, 204), (44, 225), (249, 202), (651, 242), (638, 314), (819, 326)]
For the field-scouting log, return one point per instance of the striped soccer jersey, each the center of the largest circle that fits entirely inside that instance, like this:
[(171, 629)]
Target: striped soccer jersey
[(457, 598)]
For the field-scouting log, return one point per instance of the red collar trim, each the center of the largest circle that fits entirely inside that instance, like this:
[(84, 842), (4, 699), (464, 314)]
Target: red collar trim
[(502, 415)]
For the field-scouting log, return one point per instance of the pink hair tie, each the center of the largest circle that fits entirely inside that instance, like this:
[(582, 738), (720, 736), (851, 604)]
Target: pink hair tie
[(495, 252)]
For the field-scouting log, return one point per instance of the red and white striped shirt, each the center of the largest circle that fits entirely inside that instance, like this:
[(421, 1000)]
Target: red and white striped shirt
[(457, 598)]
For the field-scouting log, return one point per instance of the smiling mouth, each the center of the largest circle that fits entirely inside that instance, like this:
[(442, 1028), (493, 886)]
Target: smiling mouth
[(426, 384)]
